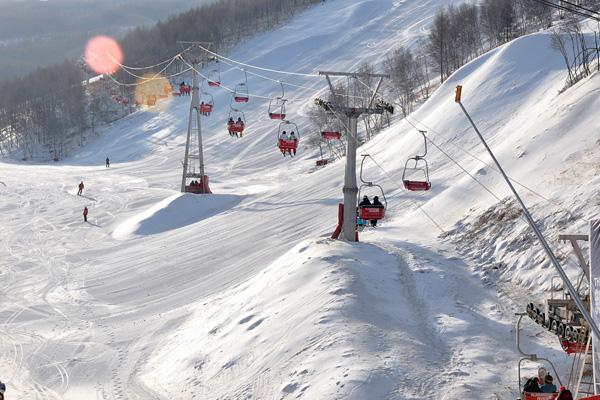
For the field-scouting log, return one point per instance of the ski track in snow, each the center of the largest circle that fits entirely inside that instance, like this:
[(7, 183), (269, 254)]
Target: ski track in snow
[(238, 301)]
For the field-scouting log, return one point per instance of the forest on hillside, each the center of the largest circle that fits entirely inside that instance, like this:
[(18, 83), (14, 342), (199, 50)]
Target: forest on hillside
[(42, 132), (37, 130), (36, 33)]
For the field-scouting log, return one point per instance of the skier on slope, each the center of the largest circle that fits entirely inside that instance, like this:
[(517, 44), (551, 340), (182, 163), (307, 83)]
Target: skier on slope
[(85, 213), (81, 186), (2, 390), (107, 162)]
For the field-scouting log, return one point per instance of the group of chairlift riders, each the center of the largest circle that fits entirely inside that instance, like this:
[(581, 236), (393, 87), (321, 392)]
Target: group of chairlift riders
[(368, 212), (544, 383)]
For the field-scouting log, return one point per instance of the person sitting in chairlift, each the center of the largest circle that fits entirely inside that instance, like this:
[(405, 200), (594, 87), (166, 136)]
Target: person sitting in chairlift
[(283, 138), (295, 139), (548, 386), (239, 123), (230, 123), (365, 201), (376, 203), (564, 394)]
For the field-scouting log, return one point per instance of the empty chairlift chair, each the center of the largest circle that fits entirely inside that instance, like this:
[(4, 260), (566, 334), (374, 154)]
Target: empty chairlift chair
[(214, 78), (416, 176), (327, 137), (277, 106), (240, 93)]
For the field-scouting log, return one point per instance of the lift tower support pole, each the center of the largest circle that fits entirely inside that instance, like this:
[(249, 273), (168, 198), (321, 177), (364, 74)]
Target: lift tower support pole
[(195, 156), (350, 189), (532, 224)]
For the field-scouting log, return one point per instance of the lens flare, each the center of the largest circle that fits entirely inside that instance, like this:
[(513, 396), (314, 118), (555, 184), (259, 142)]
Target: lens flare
[(152, 89), (103, 55)]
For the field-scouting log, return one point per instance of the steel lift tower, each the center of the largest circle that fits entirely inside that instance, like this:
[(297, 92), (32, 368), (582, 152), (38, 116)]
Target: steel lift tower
[(352, 110), (193, 162)]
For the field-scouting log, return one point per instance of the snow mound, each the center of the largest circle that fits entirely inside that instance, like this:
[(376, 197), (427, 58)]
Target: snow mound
[(278, 335), (175, 212)]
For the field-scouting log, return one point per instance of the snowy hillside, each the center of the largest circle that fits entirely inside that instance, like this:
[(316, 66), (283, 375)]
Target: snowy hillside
[(241, 295)]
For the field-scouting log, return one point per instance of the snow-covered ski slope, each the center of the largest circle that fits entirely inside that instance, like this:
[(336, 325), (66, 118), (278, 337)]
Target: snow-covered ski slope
[(240, 295)]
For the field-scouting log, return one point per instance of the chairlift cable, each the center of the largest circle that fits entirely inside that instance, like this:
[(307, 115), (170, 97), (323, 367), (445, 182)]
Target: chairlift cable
[(280, 81), (223, 86), (387, 174), (560, 206), (257, 67)]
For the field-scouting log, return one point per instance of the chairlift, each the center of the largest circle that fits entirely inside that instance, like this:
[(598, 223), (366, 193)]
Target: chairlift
[(327, 137), (286, 143), (331, 135), (206, 103), (370, 212), (277, 105), (419, 169), (239, 121), (240, 93), (214, 78), (322, 161), (198, 185)]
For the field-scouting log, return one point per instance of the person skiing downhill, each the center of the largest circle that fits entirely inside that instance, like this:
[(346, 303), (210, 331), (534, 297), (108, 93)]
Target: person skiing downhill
[(81, 186), (85, 214), (107, 162)]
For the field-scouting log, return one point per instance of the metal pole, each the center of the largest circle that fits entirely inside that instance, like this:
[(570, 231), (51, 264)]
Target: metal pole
[(195, 105), (350, 188), (187, 142), (538, 233)]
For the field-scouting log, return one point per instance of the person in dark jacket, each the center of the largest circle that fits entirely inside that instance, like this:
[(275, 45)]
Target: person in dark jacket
[(85, 214), (81, 186), (376, 203), (107, 162), (564, 394), (365, 201)]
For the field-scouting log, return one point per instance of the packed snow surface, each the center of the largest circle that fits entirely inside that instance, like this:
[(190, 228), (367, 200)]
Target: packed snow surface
[(240, 294)]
